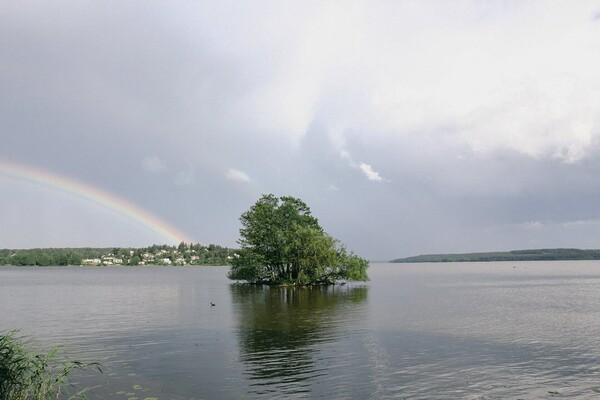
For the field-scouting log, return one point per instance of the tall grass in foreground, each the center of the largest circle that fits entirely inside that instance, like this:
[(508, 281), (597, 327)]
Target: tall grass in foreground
[(29, 375)]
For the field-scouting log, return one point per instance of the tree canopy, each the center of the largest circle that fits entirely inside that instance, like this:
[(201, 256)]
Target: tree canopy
[(283, 244)]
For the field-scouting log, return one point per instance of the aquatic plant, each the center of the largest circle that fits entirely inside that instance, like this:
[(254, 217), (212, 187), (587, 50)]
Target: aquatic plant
[(27, 374)]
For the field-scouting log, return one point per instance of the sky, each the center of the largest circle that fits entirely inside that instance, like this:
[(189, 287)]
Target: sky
[(408, 127)]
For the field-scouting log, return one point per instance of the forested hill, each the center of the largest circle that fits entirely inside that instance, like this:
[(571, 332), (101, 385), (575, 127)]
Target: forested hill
[(515, 255)]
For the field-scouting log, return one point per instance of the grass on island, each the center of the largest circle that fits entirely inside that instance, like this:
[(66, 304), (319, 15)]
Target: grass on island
[(28, 374)]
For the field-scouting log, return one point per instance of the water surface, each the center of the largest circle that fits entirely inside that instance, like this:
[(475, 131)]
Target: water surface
[(417, 331)]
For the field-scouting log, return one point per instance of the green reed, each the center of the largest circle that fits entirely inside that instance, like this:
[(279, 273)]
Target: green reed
[(28, 374)]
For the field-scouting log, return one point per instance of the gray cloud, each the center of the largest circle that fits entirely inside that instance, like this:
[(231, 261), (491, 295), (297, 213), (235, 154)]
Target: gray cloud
[(153, 165), (479, 122), (184, 177), (236, 175)]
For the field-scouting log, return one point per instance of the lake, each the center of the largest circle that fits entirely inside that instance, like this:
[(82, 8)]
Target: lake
[(417, 331)]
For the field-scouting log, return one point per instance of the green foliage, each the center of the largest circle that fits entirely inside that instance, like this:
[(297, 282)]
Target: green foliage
[(41, 257), (28, 375), (282, 243), (135, 260)]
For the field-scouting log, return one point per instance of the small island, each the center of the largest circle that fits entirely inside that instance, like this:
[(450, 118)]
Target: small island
[(283, 244)]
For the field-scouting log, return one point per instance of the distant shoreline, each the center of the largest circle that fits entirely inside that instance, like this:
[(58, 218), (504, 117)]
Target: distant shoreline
[(165, 255), (561, 254)]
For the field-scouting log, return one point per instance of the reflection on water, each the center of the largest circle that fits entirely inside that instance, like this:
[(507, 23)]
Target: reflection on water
[(282, 329), (454, 331)]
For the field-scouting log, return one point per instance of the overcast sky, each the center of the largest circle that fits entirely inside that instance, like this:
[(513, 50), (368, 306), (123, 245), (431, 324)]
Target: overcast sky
[(408, 127)]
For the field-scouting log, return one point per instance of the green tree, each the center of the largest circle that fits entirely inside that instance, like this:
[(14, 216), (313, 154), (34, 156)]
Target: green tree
[(135, 260), (282, 243)]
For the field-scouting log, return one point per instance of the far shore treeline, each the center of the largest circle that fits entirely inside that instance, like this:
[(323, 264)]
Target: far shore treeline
[(515, 255), (183, 254)]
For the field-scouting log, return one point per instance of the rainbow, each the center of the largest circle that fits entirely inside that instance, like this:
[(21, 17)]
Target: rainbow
[(87, 193)]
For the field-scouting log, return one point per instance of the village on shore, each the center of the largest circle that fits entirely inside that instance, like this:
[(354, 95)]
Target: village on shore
[(183, 254), (174, 256)]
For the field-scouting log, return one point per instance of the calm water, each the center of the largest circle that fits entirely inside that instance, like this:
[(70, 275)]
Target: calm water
[(418, 331)]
